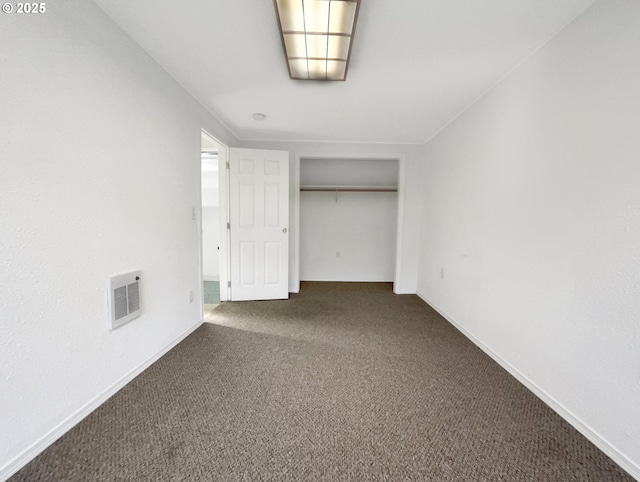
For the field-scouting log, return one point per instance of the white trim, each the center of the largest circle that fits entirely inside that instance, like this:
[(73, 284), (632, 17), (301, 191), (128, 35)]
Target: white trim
[(593, 436), (294, 282), (401, 158), (330, 141), (45, 441), (224, 257), (223, 234), (399, 223), (200, 231)]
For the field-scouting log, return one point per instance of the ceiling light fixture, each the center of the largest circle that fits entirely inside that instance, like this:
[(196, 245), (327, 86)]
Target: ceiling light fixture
[(317, 36), (258, 116)]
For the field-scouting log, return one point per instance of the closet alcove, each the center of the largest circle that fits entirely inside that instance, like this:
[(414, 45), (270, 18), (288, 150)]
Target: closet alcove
[(348, 219)]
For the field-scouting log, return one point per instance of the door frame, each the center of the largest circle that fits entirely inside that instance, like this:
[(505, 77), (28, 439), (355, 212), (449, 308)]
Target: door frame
[(223, 200), (294, 259)]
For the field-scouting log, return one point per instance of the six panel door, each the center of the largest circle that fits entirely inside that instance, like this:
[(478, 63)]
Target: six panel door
[(259, 217)]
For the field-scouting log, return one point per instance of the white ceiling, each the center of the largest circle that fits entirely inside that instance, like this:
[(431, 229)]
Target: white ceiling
[(415, 64)]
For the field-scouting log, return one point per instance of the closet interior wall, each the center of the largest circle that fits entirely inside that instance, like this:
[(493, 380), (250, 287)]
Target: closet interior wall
[(348, 219)]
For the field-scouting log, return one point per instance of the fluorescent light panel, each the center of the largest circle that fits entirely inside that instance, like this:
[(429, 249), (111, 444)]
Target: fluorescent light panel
[(317, 36)]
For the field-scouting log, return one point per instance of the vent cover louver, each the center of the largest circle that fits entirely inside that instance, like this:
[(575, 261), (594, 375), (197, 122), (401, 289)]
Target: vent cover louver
[(124, 298)]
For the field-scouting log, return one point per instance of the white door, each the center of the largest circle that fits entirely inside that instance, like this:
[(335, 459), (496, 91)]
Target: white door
[(259, 218)]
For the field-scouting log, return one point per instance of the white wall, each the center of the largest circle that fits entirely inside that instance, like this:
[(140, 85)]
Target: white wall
[(100, 168), (210, 243), (352, 238), (409, 196), (349, 172), (210, 224), (532, 208), (210, 193)]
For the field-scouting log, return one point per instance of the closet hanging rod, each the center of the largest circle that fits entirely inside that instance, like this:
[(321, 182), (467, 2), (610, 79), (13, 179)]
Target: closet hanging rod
[(349, 188)]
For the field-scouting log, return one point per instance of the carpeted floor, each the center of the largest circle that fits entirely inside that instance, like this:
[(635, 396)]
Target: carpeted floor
[(345, 381)]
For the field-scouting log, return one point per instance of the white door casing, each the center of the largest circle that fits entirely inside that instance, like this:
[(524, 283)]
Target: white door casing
[(259, 217)]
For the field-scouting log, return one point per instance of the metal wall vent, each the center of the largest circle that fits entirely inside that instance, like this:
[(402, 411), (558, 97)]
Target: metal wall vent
[(124, 298)]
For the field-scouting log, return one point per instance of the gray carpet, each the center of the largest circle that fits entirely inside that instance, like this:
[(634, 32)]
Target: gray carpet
[(344, 381)]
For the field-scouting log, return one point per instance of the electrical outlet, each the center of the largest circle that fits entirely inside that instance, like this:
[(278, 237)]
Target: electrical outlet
[(441, 273), (337, 254), (193, 213), (190, 296)]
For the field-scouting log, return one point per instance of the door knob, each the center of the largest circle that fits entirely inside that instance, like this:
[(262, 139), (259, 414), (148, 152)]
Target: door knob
[(284, 230)]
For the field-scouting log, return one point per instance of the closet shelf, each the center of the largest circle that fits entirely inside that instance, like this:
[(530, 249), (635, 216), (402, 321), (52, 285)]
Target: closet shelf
[(349, 188)]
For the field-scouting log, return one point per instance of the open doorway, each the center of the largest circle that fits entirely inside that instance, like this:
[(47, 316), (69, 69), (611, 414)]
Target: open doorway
[(214, 219), (348, 218)]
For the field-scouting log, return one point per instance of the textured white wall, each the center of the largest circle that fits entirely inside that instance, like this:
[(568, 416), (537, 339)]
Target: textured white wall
[(409, 180), (351, 239), (532, 208), (100, 168), (210, 225), (349, 172), (210, 243)]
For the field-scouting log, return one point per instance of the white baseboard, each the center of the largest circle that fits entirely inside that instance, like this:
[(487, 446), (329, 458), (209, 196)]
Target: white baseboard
[(594, 437), (210, 278), (45, 441), (404, 291)]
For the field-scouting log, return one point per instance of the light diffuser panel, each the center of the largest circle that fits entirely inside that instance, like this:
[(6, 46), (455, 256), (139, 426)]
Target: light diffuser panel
[(343, 15), (316, 15), (317, 36), (296, 45), (338, 47)]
